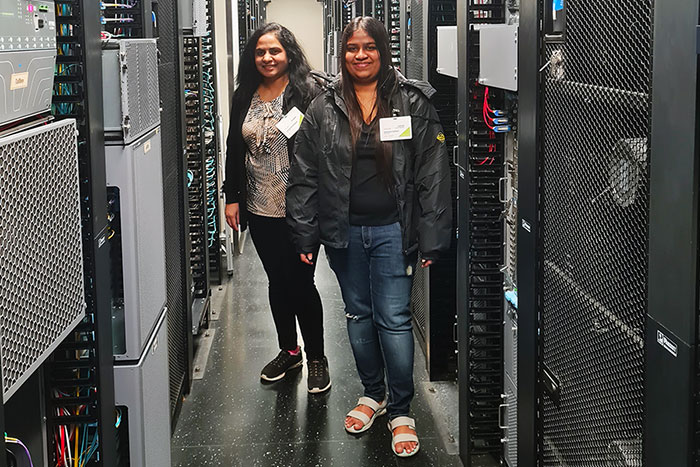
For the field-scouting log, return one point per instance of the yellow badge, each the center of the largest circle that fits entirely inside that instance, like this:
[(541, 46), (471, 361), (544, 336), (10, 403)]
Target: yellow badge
[(441, 137)]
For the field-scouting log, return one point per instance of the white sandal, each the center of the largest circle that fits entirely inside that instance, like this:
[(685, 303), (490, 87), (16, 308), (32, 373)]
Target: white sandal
[(403, 437), (379, 409)]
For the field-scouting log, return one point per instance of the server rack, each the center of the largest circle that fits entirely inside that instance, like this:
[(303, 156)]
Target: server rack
[(395, 22), (196, 179), (480, 299), (379, 10), (636, 332), (332, 29), (251, 15), (349, 11), (212, 143), (433, 299), (87, 380), (177, 261)]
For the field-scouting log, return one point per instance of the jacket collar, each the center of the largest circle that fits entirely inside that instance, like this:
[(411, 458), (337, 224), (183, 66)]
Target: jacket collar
[(423, 86)]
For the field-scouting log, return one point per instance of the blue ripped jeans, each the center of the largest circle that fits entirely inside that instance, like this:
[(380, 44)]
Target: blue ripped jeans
[(375, 279)]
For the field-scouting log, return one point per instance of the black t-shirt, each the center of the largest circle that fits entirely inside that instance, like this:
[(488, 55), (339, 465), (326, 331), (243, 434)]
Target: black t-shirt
[(372, 203)]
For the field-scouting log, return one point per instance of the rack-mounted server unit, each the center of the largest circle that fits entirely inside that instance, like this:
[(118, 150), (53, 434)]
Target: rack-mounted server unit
[(28, 51)]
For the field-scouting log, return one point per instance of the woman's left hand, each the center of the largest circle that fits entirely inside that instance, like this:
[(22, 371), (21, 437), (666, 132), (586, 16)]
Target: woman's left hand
[(307, 258), (426, 262)]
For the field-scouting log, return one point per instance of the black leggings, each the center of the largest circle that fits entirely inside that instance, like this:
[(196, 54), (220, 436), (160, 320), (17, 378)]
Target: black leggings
[(291, 289)]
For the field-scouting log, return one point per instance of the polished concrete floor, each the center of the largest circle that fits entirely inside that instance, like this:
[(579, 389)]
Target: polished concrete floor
[(231, 419)]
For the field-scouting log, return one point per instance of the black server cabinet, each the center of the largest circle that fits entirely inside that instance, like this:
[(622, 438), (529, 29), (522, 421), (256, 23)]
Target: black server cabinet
[(672, 367), (608, 224), (433, 297), (480, 253), (177, 261)]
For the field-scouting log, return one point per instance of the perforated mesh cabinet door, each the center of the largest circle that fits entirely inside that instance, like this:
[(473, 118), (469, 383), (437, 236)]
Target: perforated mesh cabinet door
[(595, 211), (41, 259), (139, 84), (177, 280)]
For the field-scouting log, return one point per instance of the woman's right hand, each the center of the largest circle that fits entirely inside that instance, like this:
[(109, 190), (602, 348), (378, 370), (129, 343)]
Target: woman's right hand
[(233, 215)]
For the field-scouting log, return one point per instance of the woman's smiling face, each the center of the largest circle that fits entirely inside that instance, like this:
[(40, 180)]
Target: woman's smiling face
[(362, 58), (270, 57)]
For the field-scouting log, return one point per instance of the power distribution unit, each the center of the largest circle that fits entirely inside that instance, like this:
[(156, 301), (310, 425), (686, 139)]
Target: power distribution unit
[(135, 196), (27, 58), (130, 89), (141, 395), (42, 297)]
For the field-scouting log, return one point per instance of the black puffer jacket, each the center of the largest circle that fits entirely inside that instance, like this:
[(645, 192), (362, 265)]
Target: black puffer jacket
[(236, 183), (318, 196)]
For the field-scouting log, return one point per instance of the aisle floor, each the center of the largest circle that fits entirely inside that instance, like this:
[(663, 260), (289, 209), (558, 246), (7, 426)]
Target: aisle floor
[(232, 419)]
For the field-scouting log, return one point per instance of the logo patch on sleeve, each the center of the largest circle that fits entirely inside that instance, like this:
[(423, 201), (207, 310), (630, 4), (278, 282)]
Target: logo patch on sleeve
[(441, 137)]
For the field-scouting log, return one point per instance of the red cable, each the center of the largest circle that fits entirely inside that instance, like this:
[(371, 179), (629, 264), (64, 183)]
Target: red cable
[(485, 114)]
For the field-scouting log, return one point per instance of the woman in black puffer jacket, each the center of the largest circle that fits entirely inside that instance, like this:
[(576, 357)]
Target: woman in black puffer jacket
[(274, 80), (374, 199)]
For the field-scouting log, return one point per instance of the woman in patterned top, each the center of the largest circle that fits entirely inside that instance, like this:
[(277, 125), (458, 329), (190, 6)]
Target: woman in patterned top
[(274, 78)]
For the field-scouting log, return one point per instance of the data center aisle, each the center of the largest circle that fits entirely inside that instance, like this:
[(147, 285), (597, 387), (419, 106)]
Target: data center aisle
[(231, 419)]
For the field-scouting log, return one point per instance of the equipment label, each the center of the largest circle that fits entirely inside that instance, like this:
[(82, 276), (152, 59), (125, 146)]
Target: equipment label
[(19, 80), (667, 343)]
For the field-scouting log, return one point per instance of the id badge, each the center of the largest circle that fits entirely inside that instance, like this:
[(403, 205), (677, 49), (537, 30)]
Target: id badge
[(395, 128), (290, 123)]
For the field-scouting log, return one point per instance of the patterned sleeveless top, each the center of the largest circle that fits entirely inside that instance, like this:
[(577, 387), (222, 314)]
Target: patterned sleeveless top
[(267, 158)]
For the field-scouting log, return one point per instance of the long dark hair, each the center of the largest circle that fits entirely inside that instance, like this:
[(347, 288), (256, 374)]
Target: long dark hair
[(386, 86), (249, 78)]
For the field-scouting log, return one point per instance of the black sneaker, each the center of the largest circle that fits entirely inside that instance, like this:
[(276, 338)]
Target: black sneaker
[(277, 368), (319, 378)]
